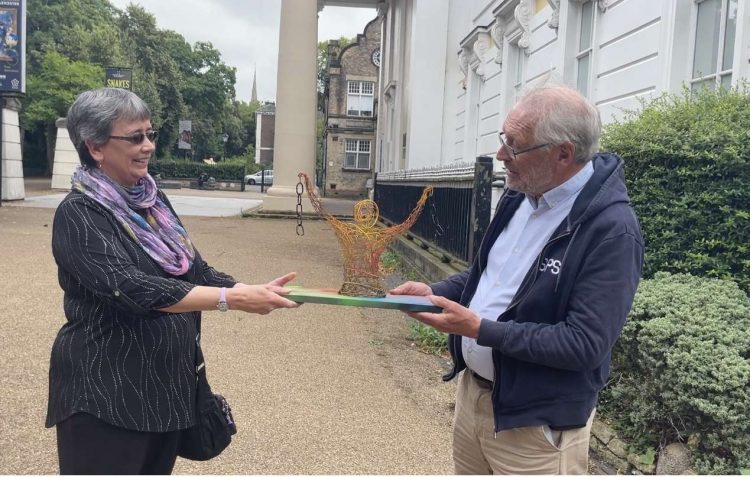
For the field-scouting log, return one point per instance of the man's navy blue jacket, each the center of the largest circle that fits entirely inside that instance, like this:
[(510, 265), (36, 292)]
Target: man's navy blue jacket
[(552, 346)]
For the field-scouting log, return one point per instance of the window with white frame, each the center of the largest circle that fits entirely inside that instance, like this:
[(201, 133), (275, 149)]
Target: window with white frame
[(516, 73), (359, 99), (713, 53), (519, 68), (357, 154), (584, 56)]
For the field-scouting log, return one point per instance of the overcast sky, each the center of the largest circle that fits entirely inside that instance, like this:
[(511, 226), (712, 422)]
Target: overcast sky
[(246, 32)]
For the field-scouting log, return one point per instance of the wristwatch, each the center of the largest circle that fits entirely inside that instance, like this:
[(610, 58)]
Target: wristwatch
[(222, 305)]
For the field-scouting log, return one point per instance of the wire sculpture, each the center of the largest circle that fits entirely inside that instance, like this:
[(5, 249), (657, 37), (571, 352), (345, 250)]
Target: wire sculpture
[(362, 241)]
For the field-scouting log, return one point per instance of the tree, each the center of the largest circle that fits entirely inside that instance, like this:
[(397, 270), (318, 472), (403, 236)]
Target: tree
[(50, 91), (71, 41), (145, 45), (73, 28), (68, 43), (245, 114)]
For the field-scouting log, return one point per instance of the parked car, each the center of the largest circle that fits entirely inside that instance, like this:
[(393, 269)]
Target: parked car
[(253, 179)]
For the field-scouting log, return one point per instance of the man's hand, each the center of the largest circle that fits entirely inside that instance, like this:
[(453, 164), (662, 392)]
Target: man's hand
[(454, 319), (412, 288)]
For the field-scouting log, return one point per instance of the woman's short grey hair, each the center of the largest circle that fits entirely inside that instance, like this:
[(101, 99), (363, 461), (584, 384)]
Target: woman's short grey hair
[(94, 112), (564, 115)]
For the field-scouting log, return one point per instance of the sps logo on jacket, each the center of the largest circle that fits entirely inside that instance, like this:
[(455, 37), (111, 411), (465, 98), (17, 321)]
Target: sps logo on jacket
[(550, 264)]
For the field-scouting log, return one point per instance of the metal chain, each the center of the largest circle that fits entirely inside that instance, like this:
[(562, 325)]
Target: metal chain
[(300, 190), (438, 227)]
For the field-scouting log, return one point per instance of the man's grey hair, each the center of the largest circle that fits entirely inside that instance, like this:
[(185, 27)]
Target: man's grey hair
[(563, 114), (94, 112)]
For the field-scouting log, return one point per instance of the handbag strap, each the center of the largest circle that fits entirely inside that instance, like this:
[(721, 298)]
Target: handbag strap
[(200, 363)]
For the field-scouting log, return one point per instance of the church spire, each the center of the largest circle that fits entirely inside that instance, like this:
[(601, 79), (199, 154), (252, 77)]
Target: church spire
[(254, 95)]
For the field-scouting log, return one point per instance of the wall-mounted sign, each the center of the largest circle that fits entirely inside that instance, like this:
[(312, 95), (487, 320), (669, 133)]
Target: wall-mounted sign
[(13, 45), (119, 78)]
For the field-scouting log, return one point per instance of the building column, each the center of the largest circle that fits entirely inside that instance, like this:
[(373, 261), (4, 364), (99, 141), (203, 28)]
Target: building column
[(296, 103), (66, 157), (12, 176)]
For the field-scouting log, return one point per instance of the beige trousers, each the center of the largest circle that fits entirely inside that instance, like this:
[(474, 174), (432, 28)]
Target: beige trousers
[(526, 450)]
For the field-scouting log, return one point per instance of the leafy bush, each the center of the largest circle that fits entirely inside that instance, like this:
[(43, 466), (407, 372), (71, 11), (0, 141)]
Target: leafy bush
[(428, 338), (247, 159), (688, 170), (228, 171), (681, 370)]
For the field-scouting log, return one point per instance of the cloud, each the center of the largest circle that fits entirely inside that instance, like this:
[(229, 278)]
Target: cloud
[(246, 32)]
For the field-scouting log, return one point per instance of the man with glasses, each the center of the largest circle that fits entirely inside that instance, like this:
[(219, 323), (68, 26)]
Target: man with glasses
[(533, 321)]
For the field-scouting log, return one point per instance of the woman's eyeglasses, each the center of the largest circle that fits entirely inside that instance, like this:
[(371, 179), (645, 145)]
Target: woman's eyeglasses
[(512, 152), (137, 138)]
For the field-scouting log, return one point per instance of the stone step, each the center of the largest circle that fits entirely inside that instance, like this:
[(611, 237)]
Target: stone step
[(170, 185)]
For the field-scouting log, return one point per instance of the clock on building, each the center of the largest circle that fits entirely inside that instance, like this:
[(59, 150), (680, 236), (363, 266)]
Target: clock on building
[(376, 57)]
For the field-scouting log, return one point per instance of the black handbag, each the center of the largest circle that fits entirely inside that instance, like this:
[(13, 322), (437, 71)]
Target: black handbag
[(214, 423)]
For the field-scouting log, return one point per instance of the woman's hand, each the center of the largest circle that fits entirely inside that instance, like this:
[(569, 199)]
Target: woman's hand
[(281, 281), (261, 299)]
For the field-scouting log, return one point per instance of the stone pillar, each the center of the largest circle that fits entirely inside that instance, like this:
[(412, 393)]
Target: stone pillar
[(296, 104), (66, 157), (12, 178)]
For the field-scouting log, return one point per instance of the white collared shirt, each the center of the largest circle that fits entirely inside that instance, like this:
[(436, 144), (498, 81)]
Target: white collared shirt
[(511, 256)]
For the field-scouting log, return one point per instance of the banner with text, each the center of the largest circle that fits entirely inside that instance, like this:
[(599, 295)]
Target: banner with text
[(13, 46), (185, 139), (119, 78)]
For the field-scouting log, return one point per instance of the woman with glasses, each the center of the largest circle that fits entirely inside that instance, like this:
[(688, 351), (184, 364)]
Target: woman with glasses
[(123, 366)]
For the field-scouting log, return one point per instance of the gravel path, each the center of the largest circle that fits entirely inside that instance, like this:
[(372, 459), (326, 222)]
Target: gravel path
[(316, 390)]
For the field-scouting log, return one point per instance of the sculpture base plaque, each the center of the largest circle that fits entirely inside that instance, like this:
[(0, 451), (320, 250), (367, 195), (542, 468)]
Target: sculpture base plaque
[(329, 296)]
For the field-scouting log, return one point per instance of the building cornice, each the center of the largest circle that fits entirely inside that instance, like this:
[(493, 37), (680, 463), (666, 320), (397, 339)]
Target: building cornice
[(513, 18), (554, 19), (463, 63), (389, 91), (523, 13), (475, 47), (498, 38)]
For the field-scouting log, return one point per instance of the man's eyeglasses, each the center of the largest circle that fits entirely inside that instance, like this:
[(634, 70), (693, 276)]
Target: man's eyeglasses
[(137, 138), (512, 152)]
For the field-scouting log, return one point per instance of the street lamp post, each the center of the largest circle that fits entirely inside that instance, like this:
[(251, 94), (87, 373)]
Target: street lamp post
[(225, 138)]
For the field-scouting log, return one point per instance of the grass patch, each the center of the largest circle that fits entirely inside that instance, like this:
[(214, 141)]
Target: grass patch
[(428, 339), (389, 262)]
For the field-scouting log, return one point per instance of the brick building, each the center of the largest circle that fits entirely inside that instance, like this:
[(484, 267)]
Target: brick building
[(350, 113), (265, 120)]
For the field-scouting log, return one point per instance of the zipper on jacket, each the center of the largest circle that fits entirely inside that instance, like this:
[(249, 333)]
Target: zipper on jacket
[(518, 298), (516, 301)]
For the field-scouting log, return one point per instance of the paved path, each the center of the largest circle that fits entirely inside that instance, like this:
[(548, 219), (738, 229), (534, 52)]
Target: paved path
[(206, 203), (316, 390), (183, 205)]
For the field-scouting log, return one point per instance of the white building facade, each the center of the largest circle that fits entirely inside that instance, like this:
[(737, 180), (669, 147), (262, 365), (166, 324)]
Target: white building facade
[(452, 69)]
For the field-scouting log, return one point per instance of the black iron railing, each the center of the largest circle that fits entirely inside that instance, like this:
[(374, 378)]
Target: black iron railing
[(454, 219)]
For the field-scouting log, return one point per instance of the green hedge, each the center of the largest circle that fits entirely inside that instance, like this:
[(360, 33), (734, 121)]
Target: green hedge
[(687, 164), (228, 171), (681, 371)]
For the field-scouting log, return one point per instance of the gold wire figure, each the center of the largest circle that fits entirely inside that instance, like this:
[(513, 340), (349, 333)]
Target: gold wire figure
[(363, 242)]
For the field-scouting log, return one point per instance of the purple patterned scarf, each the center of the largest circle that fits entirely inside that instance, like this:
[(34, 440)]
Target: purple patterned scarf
[(157, 231)]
